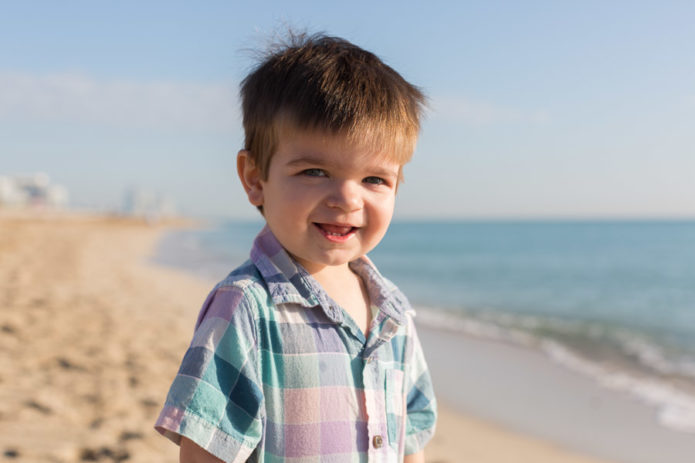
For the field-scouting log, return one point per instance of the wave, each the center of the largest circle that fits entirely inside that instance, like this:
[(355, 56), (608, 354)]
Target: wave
[(623, 361)]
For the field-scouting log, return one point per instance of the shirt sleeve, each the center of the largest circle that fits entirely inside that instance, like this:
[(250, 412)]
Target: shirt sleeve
[(216, 399), (421, 404)]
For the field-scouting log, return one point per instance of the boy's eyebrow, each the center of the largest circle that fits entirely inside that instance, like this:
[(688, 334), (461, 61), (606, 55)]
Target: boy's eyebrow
[(317, 160), (307, 159)]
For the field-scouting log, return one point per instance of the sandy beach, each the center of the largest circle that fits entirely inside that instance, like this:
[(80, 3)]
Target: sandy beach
[(91, 335)]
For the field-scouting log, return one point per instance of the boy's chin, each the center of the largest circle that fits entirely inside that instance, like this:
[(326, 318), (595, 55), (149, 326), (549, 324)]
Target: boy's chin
[(335, 262)]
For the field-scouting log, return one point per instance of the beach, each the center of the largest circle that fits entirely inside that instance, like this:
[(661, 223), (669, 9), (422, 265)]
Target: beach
[(92, 333)]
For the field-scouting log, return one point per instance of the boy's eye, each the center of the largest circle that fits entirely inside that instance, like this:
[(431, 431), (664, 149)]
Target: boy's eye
[(375, 180), (314, 172)]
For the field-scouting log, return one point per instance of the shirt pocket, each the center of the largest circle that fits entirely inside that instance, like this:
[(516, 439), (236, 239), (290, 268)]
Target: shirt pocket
[(395, 406)]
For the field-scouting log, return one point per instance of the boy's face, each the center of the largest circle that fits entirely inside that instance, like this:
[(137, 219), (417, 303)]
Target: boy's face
[(328, 202)]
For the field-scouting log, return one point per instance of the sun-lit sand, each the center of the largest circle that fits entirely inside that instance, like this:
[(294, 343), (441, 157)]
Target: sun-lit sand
[(91, 335)]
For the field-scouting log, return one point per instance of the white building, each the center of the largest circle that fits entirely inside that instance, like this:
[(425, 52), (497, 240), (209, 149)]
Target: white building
[(142, 203), (35, 190)]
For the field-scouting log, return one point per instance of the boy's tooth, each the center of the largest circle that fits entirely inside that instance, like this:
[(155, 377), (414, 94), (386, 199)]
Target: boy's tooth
[(336, 229)]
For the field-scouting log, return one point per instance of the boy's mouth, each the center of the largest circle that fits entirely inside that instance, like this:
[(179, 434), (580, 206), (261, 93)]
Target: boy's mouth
[(336, 232)]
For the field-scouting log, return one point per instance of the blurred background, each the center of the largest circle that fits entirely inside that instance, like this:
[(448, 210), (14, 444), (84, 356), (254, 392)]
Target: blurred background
[(545, 231)]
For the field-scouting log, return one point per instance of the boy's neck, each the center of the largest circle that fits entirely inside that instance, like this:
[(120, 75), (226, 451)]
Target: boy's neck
[(330, 275), (348, 290)]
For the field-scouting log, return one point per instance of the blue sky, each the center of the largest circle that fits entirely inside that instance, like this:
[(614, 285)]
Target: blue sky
[(538, 109)]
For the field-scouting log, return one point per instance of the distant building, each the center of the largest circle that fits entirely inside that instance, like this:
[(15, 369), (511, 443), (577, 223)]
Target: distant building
[(146, 204), (31, 191)]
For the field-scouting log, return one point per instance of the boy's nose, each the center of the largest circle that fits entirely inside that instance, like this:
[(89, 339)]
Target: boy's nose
[(345, 196)]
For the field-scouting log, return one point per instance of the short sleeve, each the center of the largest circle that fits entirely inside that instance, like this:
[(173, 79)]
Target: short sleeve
[(421, 404), (216, 399)]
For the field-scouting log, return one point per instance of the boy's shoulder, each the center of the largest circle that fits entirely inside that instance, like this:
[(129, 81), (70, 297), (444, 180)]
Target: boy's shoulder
[(241, 278), (244, 288)]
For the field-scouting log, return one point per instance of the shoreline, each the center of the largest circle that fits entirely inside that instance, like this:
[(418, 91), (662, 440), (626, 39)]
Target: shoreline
[(670, 397), (92, 335), (522, 390)]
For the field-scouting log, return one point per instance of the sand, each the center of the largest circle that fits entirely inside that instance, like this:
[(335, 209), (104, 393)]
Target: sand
[(91, 335), (523, 389)]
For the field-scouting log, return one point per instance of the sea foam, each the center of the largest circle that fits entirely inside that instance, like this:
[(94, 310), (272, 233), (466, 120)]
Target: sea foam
[(674, 407)]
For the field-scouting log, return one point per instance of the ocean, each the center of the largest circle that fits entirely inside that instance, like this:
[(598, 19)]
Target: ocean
[(614, 300)]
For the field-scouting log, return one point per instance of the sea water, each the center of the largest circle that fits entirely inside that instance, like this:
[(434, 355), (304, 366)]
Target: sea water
[(612, 299)]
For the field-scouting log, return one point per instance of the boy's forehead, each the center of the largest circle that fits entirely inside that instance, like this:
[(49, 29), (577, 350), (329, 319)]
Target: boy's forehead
[(317, 146)]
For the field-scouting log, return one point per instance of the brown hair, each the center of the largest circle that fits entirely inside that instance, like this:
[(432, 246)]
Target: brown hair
[(318, 82)]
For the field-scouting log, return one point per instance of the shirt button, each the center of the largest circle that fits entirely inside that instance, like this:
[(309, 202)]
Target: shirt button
[(378, 441)]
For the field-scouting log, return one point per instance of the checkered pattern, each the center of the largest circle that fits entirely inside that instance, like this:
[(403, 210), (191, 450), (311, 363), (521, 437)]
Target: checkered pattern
[(277, 371)]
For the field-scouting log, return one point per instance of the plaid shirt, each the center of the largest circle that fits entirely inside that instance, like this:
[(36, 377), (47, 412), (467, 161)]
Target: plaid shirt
[(277, 371)]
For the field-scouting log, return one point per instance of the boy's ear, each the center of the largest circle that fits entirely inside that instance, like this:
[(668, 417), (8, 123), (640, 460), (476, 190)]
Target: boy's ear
[(250, 177)]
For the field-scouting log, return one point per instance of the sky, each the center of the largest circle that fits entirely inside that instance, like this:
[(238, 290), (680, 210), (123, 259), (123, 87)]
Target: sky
[(538, 109)]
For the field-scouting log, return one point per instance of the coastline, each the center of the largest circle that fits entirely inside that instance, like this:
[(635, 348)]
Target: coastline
[(93, 333), (522, 390)]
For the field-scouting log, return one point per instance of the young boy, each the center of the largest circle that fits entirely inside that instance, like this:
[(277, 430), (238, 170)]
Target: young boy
[(306, 353)]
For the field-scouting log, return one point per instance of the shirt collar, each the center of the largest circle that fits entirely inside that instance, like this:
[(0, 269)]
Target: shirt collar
[(289, 282)]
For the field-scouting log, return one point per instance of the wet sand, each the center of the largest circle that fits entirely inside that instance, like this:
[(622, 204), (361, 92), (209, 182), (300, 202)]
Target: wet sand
[(91, 335), (523, 390)]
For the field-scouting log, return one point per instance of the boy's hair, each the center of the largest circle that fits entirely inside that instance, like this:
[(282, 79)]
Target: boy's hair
[(318, 82)]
